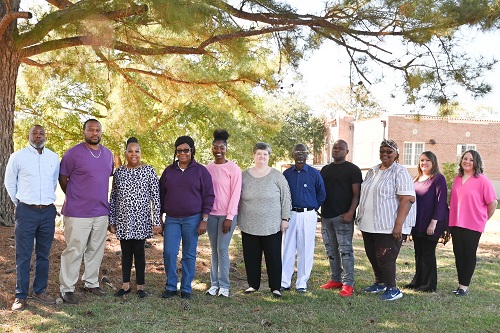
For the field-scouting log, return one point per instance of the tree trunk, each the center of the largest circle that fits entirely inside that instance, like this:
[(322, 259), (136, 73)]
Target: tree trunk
[(9, 66)]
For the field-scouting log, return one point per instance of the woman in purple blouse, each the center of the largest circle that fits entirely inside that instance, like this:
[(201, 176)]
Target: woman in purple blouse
[(432, 220)]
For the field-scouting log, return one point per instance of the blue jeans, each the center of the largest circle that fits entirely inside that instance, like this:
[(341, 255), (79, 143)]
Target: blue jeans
[(177, 229), (219, 244), (340, 252), (33, 224)]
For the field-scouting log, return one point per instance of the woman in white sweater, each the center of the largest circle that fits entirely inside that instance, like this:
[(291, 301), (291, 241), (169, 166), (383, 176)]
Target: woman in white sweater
[(264, 211)]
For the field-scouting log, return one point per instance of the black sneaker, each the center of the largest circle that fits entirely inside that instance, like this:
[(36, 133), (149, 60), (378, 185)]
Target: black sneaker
[(185, 295), (462, 292), (122, 292), (169, 293), (141, 293)]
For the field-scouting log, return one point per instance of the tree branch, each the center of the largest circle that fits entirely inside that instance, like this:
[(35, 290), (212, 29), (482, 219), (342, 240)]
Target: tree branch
[(171, 79), (61, 4), (120, 46), (99, 42), (125, 76), (290, 19), (78, 12), (9, 17), (243, 34)]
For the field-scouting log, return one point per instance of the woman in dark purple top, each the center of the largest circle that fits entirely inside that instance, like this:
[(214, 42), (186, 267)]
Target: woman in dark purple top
[(432, 220), (186, 198)]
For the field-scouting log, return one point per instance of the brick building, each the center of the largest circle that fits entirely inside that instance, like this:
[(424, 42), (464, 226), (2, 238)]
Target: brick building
[(447, 137)]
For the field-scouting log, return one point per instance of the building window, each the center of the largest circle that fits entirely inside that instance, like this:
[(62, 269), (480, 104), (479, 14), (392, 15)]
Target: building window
[(411, 153), (461, 149)]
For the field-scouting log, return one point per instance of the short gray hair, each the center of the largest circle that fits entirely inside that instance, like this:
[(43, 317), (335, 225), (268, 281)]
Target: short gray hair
[(262, 146)]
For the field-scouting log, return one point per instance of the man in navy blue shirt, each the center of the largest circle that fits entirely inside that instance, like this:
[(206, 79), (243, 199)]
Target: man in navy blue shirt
[(308, 193)]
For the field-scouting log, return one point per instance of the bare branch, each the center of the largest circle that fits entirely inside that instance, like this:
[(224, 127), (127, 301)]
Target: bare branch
[(12, 16), (277, 19)]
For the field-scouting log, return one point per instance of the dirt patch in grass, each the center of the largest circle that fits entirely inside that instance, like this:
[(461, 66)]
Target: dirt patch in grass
[(110, 267)]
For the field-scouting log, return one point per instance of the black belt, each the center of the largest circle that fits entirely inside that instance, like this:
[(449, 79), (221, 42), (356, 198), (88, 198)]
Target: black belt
[(37, 206), (301, 210)]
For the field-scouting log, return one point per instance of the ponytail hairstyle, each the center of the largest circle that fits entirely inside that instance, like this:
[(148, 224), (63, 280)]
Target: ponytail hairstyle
[(221, 135)]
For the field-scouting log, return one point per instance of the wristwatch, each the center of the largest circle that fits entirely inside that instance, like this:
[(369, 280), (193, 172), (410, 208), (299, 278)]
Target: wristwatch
[(205, 219)]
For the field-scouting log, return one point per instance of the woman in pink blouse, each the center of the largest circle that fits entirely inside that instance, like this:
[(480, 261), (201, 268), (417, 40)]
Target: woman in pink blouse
[(472, 203), (226, 179)]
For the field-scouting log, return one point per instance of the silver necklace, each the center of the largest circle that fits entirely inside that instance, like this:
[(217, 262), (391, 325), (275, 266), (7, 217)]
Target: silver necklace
[(90, 151)]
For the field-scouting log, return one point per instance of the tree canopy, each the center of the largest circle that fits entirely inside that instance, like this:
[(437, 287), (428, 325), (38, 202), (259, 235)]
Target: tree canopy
[(161, 68)]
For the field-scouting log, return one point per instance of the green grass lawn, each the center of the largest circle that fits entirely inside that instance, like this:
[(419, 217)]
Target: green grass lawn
[(316, 311)]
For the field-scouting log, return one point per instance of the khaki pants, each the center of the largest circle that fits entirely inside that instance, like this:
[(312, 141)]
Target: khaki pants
[(85, 238)]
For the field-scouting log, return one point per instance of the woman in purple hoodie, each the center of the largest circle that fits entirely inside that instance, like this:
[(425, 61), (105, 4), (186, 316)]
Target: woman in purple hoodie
[(187, 197)]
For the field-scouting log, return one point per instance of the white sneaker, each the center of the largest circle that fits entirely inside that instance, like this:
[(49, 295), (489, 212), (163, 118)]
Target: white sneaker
[(224, 292), (212, 291)]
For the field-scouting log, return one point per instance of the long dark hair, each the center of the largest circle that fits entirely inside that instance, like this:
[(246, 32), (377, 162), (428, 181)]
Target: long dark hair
[(477, 163), (435, 166)]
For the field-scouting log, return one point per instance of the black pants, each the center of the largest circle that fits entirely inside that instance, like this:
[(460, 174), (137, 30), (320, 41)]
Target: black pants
[(253, 247), (133, 249), (425, 278), (382, 251), (465, 244)]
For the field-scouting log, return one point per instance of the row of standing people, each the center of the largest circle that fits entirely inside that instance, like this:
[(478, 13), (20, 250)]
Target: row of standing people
[(387, 213), (184, 193), (86, 219)]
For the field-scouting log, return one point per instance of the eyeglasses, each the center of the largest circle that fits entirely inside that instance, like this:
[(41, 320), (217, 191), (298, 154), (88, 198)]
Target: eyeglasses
[(300, 152), (388, 152), (185, 151)]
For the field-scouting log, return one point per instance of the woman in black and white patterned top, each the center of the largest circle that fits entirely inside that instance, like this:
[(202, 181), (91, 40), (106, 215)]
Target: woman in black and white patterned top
[(134, 213)]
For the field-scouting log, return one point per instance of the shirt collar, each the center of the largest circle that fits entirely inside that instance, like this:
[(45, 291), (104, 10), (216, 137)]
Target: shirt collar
[(305, 168), (34, 150)]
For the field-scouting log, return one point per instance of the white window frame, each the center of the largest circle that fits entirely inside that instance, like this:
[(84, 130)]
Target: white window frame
[(411, 154), (462, 148)]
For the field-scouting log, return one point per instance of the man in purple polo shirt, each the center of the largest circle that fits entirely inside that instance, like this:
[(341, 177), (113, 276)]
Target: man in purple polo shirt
[(84, 178)]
